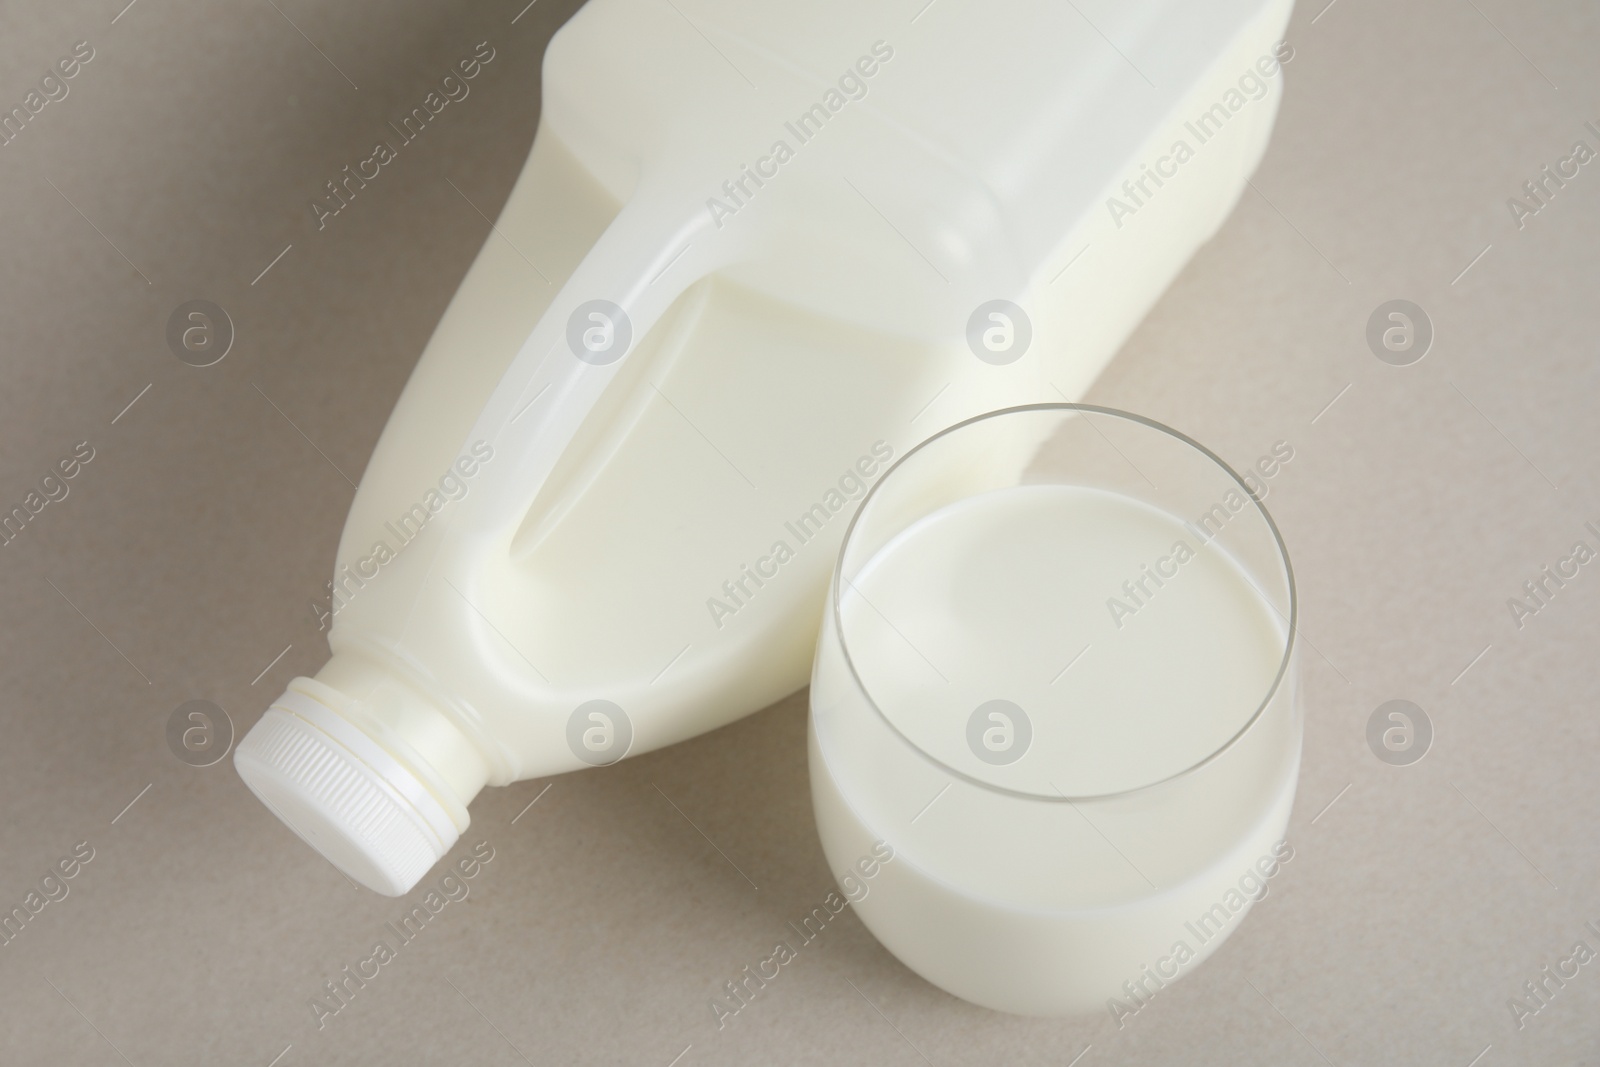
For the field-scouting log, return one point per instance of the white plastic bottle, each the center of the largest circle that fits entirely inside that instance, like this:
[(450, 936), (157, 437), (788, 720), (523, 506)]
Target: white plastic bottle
[(757, 252)]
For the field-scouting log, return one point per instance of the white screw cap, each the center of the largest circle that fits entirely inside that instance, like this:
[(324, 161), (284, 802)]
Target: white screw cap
[(344, 795)]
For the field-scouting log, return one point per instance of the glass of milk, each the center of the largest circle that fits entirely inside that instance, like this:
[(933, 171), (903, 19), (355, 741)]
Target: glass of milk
[(1054, 734)]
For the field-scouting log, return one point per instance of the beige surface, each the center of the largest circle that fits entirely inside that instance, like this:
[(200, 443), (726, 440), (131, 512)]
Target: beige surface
[(189, 548)]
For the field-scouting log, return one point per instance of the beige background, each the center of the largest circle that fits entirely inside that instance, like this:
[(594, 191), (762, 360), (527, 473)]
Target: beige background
[(1414, 507)]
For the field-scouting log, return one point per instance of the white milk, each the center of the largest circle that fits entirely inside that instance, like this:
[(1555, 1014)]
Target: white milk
[(1000, 891), (588, 533)]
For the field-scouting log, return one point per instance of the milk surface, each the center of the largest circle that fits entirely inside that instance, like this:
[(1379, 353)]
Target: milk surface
[(1133, 647)]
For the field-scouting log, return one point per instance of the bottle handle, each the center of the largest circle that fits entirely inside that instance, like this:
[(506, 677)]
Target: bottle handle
[(659, 245)]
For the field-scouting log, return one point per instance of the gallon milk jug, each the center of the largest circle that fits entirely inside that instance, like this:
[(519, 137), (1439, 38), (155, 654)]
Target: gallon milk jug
[(758, 251)]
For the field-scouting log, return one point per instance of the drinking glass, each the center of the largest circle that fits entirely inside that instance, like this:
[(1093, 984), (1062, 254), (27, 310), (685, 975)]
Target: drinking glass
[(1054, 733)]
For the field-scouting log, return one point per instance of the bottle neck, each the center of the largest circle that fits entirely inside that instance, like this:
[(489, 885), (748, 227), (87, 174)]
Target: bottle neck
[(406, 722)]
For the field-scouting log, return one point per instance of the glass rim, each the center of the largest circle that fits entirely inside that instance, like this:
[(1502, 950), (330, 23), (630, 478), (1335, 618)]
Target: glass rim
[(1085, 409)]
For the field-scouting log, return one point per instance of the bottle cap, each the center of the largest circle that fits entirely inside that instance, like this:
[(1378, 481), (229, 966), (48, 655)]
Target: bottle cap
[(344, 794)]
